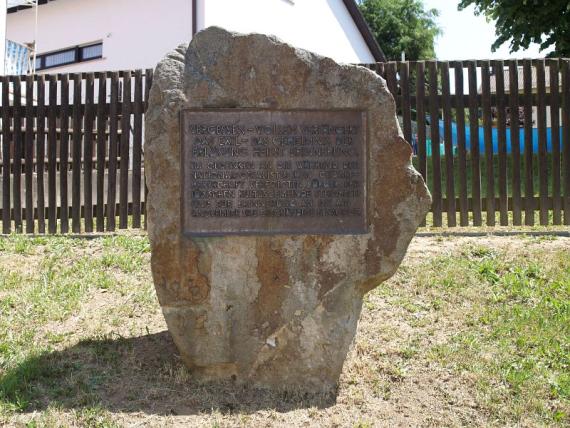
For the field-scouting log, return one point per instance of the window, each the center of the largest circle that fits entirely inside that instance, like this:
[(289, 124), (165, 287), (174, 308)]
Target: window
[(69, 56), (91, 52), (59, 58)]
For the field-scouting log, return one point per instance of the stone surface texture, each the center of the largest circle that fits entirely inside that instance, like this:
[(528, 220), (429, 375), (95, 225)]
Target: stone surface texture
[(279, 311)]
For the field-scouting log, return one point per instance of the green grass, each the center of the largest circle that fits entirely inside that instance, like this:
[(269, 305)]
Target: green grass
[(517, 340), (47, 283)]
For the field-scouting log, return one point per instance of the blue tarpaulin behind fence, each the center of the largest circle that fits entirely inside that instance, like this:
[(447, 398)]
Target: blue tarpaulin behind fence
[(495, 139)]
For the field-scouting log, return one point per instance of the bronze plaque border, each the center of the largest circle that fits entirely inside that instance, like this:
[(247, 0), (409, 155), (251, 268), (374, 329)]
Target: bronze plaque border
[(282, 231)]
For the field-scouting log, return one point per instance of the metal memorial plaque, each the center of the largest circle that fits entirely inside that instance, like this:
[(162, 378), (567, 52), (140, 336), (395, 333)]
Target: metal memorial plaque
[(273, 171)]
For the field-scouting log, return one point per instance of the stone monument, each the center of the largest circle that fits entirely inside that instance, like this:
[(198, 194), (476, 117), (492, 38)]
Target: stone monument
[(280, 192)]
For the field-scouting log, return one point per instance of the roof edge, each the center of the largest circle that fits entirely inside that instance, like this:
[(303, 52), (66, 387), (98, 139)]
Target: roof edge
[(15, 9), (365, 30)]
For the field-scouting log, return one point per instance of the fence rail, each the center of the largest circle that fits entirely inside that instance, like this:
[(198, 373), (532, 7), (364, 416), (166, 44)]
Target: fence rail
[(72, 151), (491, 139)]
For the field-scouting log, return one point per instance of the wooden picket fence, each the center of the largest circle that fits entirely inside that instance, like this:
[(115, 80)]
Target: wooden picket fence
[(509, 167), (71, 144), (83, 134)]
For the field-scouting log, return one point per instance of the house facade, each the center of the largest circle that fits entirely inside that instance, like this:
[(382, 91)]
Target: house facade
[(98, 35)]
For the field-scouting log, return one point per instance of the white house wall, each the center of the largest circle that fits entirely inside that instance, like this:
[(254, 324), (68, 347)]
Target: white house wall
[(138, 33), (135, 33), (321, 26)]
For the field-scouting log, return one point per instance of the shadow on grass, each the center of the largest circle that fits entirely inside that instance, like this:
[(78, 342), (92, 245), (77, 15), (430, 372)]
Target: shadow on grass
[(139, 374)]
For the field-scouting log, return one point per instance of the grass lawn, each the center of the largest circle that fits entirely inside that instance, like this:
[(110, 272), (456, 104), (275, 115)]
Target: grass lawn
[(470, 331)]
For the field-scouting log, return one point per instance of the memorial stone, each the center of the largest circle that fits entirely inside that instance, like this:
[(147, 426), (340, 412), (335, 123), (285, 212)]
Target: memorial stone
[(280, 192)]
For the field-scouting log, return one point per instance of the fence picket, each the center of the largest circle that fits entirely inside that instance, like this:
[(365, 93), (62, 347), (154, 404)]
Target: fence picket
[(406, 107), (124, 151), (64, 155), (76, 156), (435, 148), (391, 80), (461, 149), (542, 161), (112, 171), (515, 142), (29, 154), (40, 153), (137, 148), (421, 121), (52, 154), (378, 67), (448, 141), (148, 84), (101, 150), (88, 152), (6, 158), (529, 182), (565, 68), (499, 72), (488, 137), (474, 144), (555, 133), (17, 166)]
